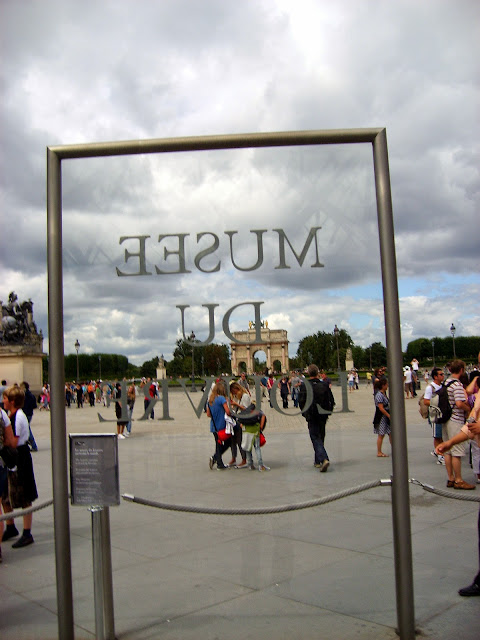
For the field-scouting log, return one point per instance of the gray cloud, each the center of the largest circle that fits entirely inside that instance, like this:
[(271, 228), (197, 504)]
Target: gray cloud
[(112, 71)]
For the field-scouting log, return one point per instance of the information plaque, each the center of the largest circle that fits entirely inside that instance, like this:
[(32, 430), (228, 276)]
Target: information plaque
[(94, 478)]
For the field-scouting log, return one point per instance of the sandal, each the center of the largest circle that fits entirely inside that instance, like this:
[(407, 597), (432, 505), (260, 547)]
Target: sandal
[(382, 455)]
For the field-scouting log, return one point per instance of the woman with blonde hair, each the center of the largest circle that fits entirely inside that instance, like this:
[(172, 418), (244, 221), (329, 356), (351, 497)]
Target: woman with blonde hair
[(217, 407)]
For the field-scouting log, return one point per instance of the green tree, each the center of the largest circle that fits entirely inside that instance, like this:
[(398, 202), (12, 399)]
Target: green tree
[(379, 355), (149, 368), (321, 349)]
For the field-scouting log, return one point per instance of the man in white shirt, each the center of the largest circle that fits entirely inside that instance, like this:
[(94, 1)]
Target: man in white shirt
[(437, 381), (407, 379)]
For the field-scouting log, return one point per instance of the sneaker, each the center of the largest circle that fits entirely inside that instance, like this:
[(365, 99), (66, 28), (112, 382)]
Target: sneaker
[(463, 485), (121, 436), (441, 460), (222, 467), (10, 533), (243, 465), (325, 465), (211, 462), (232, 462), (251, 467), (126, 434), (24, 541), (433, 453), (262, 467), (317, 465)]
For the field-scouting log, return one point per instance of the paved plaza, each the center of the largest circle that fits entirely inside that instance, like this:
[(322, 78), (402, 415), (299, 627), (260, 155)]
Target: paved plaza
[(323, 572)]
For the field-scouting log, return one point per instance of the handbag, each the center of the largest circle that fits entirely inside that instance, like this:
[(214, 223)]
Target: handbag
[(9, 456), (377, 417), (262, 439), (222, 435)]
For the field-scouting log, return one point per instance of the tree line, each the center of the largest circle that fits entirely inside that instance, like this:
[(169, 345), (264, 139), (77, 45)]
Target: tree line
[(320, 348)]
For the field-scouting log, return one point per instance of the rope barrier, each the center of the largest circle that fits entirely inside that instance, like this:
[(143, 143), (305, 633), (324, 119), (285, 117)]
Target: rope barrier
[(446, 494), (23, 512), (260, 510), (257, 510)]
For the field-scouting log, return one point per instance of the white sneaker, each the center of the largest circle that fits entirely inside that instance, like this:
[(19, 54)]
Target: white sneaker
[(121, 436), (126, 434)]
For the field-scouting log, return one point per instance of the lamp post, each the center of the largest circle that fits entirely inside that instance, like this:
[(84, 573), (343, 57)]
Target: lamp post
[(336, 331), (192, 338), (203, 367), (99, 367), (77, 347), (433, 351), (452, 331)]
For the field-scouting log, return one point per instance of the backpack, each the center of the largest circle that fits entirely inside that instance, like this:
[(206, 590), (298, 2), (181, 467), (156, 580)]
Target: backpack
[(322, 395), (440, 409), (249, 416), (422, 408)]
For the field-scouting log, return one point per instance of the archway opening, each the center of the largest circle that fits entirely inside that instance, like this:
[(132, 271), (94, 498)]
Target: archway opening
[(259, 361)]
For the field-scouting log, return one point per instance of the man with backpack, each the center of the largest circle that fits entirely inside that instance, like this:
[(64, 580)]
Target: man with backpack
[(317, 420), (457, 399), (432, 388)]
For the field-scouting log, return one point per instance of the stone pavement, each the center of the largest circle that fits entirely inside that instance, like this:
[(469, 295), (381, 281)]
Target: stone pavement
[(324, 572)]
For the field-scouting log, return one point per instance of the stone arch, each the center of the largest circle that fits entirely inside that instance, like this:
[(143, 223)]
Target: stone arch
[(274, 343)]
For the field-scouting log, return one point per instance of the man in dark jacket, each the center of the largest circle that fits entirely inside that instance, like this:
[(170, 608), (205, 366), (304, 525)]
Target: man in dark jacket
[(29, 406), (317, 420)]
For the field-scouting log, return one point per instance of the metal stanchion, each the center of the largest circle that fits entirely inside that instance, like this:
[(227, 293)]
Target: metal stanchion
[(102, 574), (107, 575)]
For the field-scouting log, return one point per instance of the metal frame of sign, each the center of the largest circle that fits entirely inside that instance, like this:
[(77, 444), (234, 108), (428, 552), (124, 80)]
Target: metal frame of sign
[(400, 493)]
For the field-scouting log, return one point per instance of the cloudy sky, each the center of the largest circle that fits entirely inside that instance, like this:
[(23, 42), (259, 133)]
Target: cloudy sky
[(77, 72)]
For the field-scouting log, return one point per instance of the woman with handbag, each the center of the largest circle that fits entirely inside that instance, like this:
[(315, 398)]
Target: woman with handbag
[(217, 407), (381, 420), (22, 490)]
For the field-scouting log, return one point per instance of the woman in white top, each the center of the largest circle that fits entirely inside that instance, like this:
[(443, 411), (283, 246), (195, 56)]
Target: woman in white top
[(22, 490)]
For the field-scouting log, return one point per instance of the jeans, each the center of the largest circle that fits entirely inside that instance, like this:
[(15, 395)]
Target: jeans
[(258, 451), (294, 395), (219, 451), (316, 429), (237, 442), (129, 423)]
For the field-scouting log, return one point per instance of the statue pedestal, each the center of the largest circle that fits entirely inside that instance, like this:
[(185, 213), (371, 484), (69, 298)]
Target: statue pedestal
[(22, 362)]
